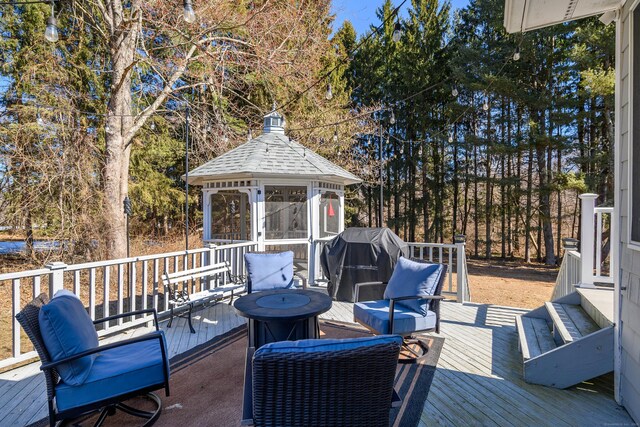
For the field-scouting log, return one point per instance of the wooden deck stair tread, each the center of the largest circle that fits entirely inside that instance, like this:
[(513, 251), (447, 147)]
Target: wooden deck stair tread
[(535, 336), (570, 321)]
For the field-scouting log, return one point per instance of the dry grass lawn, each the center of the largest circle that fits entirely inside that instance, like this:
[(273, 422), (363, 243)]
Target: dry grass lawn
[(510, 283)]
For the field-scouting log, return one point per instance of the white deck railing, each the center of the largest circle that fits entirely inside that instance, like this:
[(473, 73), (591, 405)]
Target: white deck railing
[(594, 222), (569, 274), (108, 287), (603, 218), (123, 285), (592, 264), (453, 255)]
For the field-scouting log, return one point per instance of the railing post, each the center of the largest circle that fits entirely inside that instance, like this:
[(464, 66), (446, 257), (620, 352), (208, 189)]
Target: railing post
[(461, 283), (56, 277), (210, 258), (211, 254), (311, 265), (586, 239)]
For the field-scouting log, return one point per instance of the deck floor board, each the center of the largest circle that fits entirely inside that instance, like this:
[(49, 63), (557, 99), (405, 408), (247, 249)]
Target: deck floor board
[(478, 380)]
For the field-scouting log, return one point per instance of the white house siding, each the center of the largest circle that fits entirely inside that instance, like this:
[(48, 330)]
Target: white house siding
[(630, 258)]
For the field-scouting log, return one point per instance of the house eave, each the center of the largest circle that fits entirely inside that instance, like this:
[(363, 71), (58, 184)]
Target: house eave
[(528, 15)]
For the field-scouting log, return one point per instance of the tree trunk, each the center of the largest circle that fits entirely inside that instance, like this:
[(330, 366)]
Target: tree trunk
[(118, 123), (28, 228), (488, 190)]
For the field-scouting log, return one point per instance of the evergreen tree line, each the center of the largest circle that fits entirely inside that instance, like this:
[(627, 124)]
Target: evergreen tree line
[(483, 133), (412, 110)]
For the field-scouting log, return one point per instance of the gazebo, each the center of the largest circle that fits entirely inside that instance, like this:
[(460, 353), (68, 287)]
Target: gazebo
[(274, 191)]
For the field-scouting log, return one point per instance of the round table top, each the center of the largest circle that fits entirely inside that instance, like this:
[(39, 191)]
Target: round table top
[(282, 304)]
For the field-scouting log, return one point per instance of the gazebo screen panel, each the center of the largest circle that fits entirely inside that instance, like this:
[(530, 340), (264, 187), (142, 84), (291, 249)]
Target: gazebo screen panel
[(286, 212), (230, 216), (330, 213)]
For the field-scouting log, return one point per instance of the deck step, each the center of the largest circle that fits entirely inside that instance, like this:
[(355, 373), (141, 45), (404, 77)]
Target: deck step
[(598, 303), (570, 321), (535, 336)]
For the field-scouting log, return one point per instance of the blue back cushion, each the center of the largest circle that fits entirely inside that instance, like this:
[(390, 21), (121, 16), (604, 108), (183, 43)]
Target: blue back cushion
[(411, 278), (66, 330), (326, 345), (270, 271)]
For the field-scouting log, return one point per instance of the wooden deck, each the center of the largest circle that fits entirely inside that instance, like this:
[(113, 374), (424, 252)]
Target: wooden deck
[(478, 380)]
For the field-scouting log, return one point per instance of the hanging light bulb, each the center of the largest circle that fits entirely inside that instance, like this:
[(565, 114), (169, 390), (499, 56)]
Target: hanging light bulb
[(397, 32), (454, 92), (516, 54), (402, 149), (51, 32), (329, 93), (249, 135), (153, 125), (485, 106), (392, 119), (450, 138), (420, 151), (188, 12), (107, 128), (335, 135), (39, 120)]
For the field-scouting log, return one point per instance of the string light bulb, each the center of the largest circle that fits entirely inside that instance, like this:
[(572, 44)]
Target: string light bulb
[(335, 135), (397, 32), (51, 31), (454, 92), (516, 54), (392, 119), (485, 106), (188, 13), (329, 93), (249, 135), (450, 138)]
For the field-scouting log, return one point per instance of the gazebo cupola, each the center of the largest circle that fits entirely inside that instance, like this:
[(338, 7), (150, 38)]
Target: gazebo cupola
[(273, 122), (272, 190)]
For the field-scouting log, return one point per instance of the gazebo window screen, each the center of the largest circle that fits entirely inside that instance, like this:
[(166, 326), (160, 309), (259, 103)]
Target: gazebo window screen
[(230, 216), (286, 212), (330, 214)]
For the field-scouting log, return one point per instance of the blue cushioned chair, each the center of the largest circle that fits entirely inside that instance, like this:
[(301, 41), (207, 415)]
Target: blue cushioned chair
[(270, 270), (327, 382), (82, 377), (408, 303)]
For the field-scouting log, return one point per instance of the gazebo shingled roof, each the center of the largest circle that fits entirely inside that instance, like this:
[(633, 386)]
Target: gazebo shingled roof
[(271, 155)]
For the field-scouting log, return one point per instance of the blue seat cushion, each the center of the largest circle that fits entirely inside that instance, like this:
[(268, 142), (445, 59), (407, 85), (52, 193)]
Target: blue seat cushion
[(326, 345), (116, 372), (270, 271), (411, 278), (375, 314), (66, 330)]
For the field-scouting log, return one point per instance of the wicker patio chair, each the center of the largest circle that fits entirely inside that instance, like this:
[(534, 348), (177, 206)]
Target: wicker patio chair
[(101, 391), (347, 382)]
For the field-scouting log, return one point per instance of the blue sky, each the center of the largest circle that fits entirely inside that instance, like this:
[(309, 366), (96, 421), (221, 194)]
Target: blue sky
[(362, 13)]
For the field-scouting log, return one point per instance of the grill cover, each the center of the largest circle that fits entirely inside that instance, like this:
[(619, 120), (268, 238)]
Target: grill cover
[(360, 255)]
